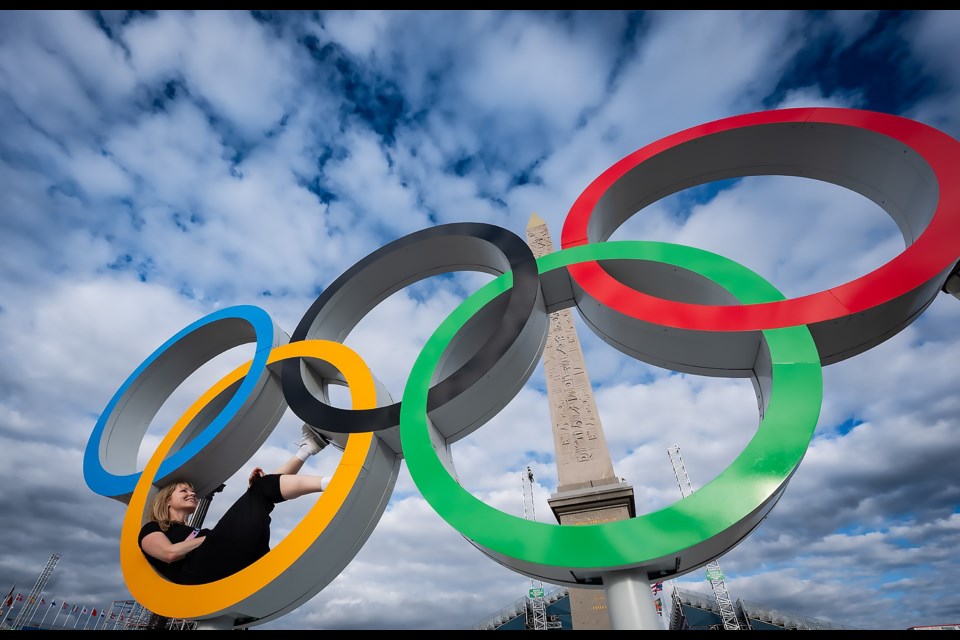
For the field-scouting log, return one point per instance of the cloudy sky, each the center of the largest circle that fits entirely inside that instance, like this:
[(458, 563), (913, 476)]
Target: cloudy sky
[(156, 167)]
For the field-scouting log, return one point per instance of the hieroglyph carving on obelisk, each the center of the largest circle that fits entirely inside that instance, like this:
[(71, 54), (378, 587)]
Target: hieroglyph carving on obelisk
[(581, 448)]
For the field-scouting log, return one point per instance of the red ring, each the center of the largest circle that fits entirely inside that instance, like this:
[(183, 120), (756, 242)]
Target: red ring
[(933, 252)]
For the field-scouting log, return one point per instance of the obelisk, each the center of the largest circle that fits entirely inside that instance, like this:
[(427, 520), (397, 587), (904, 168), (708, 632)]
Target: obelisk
[(588, 490)]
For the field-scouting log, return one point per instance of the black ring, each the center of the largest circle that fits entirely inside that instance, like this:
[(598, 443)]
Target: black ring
[(465, 246)]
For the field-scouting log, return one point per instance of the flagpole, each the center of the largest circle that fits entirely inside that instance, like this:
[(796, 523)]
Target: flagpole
[(33, 612), (52, 604), (110, 613), (5, 600), (78, 617), (59, 611), (88, 620), (12, 605)]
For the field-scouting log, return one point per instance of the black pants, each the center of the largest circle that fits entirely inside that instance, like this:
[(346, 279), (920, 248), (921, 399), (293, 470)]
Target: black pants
[(240, 538)]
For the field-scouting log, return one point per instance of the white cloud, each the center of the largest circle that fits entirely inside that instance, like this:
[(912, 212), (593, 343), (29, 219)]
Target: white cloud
[(359, 32), (195, 160), (536, 66)]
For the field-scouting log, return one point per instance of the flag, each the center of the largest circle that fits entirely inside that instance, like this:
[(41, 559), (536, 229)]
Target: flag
[(42, 601), (76, 608), (657, 588), (32, 599), (19, 598), (84, 611), (9, 599), (53, 603), (93, 613), (65, 606)]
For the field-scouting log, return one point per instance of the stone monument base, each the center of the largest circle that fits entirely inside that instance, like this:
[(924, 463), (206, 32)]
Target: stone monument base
[(592, 502)]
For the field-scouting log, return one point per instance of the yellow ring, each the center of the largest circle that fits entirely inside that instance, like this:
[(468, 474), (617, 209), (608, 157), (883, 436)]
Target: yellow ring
[(200, 601)]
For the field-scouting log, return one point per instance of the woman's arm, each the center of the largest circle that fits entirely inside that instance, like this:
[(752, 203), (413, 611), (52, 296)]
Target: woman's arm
[(158, 546)]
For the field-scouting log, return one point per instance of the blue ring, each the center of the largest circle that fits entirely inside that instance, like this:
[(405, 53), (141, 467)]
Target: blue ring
[(110, 485)]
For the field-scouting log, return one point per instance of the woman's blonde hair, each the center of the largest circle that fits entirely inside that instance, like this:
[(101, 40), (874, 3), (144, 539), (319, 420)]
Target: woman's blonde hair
[(160, 509)]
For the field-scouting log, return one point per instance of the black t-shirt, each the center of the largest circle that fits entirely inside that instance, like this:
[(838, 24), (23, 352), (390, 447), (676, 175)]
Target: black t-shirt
[(241, 537), (172, 571)]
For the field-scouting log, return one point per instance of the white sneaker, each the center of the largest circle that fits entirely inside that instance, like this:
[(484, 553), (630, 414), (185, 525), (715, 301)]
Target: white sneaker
[(313, 441)]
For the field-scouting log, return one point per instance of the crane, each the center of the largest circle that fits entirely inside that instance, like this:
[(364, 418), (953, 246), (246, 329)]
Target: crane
[(537, 605), (727, 613)]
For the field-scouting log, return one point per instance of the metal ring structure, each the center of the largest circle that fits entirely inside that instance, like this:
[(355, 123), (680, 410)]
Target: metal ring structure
[(671, 541), (676, 307), (911, 170), (312, 554), (469, 385), (225, 435)]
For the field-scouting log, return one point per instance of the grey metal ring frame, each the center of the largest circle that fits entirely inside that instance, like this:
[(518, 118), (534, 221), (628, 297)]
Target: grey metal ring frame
[(468, 389)]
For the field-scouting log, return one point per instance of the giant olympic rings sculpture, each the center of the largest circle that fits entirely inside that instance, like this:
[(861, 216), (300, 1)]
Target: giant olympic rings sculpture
[(668, 305)]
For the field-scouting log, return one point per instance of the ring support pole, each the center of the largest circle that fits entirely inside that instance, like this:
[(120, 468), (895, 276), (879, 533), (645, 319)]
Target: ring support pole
[(221, 623), (630, 601)]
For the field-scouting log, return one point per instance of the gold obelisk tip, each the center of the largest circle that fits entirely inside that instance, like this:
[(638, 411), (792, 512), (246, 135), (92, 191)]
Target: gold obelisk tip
[(535, 221)]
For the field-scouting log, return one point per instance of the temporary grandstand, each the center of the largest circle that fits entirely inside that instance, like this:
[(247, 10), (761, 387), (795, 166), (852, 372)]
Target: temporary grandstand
[(518, 615), (690, 610)]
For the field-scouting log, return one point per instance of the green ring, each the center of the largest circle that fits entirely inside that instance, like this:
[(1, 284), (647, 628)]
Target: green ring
[(759, 472)]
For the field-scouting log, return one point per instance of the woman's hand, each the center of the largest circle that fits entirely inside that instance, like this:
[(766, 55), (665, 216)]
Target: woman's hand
[(255, 475)]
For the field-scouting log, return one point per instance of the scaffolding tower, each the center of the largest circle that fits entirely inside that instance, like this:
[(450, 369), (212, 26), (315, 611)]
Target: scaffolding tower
[(32, 601), (127, 615), (538, 607), (727, 613)]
